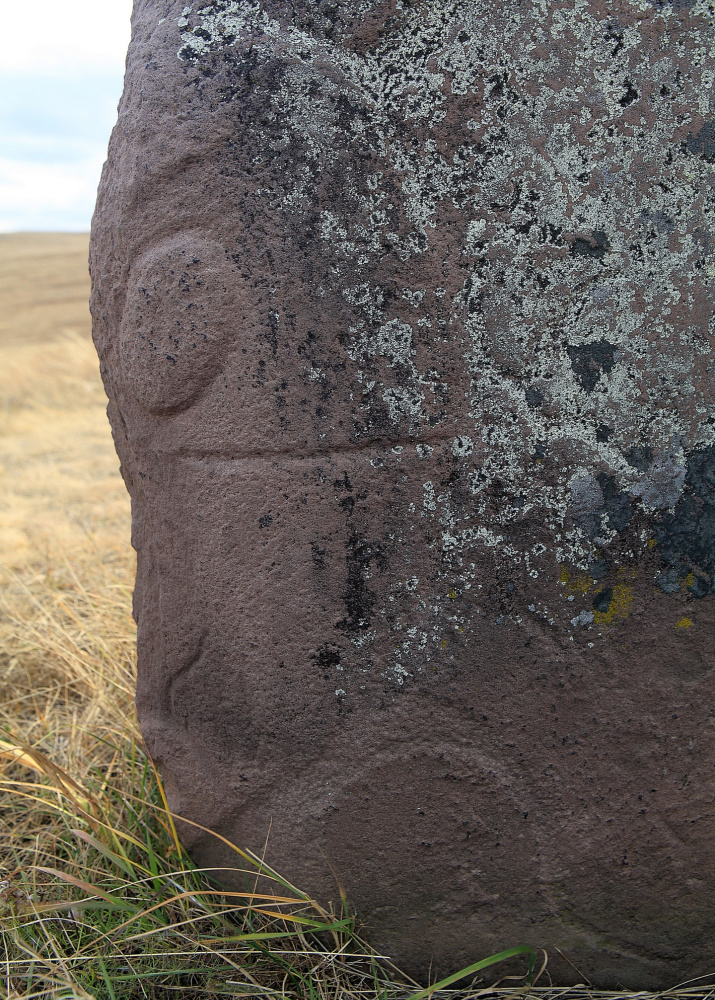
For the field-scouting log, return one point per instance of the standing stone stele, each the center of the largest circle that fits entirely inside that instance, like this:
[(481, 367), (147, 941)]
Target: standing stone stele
[(405, 315)]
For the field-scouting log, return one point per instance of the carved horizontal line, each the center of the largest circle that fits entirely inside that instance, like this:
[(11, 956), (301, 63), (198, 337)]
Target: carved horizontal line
[(298, 453)]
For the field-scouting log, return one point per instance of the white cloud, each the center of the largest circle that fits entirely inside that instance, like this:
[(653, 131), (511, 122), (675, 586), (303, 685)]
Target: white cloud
[(61, 70), (48, 196), (64, 37)]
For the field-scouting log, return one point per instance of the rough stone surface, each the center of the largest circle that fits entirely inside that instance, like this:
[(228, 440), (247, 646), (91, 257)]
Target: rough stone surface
[(405, 312)]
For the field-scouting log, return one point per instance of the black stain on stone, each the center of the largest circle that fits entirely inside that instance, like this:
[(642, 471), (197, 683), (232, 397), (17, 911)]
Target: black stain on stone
[(589, 360), (327, 658), (669, 581), (699, 585), (534, 397), (614, 33), (597, 247), (260, 376), (607, 507), (238, 72), (589, 520), (603, 433), (497, 82), (675, 4), (343, 484), (349, 113), (640, 457), (317, 555), (348, 505), (686, 536), (265, 521), (615, 503), (702, 143), (359, 599), (598, 568), (630, 95), (602, 600)]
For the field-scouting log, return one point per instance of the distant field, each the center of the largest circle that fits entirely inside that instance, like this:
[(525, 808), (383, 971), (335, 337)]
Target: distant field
[(61, 495), (44, 287)]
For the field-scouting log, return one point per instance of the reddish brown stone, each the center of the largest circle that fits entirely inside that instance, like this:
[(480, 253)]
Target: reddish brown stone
[(405, 317)]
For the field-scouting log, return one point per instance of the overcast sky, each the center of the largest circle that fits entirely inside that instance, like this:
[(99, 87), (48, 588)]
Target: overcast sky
[(61, 69)]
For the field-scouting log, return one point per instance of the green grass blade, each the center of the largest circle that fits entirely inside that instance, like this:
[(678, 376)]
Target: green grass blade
[(125, 866), (107, 980), (476, 967)]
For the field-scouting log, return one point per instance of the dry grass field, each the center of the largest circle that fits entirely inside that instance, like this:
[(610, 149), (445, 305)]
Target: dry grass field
[(64, 512), (98, 901), (61, 495)]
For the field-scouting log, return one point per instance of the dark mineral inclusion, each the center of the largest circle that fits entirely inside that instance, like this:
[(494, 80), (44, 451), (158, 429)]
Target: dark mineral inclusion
[(405, 314), (686, 535)]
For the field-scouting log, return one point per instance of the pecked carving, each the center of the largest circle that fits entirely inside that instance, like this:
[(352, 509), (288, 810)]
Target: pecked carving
[(179, 318)]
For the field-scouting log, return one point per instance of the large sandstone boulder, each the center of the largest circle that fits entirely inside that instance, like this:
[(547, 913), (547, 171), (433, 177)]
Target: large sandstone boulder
[(405, 316)]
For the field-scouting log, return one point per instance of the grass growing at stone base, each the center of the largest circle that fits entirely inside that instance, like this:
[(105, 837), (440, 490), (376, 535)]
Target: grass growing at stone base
[(97, 897), (110, 906)]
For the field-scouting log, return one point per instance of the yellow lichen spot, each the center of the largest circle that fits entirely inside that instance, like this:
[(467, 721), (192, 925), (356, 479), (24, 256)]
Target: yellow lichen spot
[(620, 606), (444, 644), (453, 594), (651, 543), (683, 623), (579, 583), (689, 580)]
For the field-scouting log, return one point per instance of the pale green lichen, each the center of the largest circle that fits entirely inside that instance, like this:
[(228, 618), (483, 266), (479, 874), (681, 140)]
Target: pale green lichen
[(583, 192)]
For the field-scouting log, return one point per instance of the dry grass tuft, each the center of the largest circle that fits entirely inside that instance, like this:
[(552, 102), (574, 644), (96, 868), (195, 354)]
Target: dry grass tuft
[(97, 898)]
